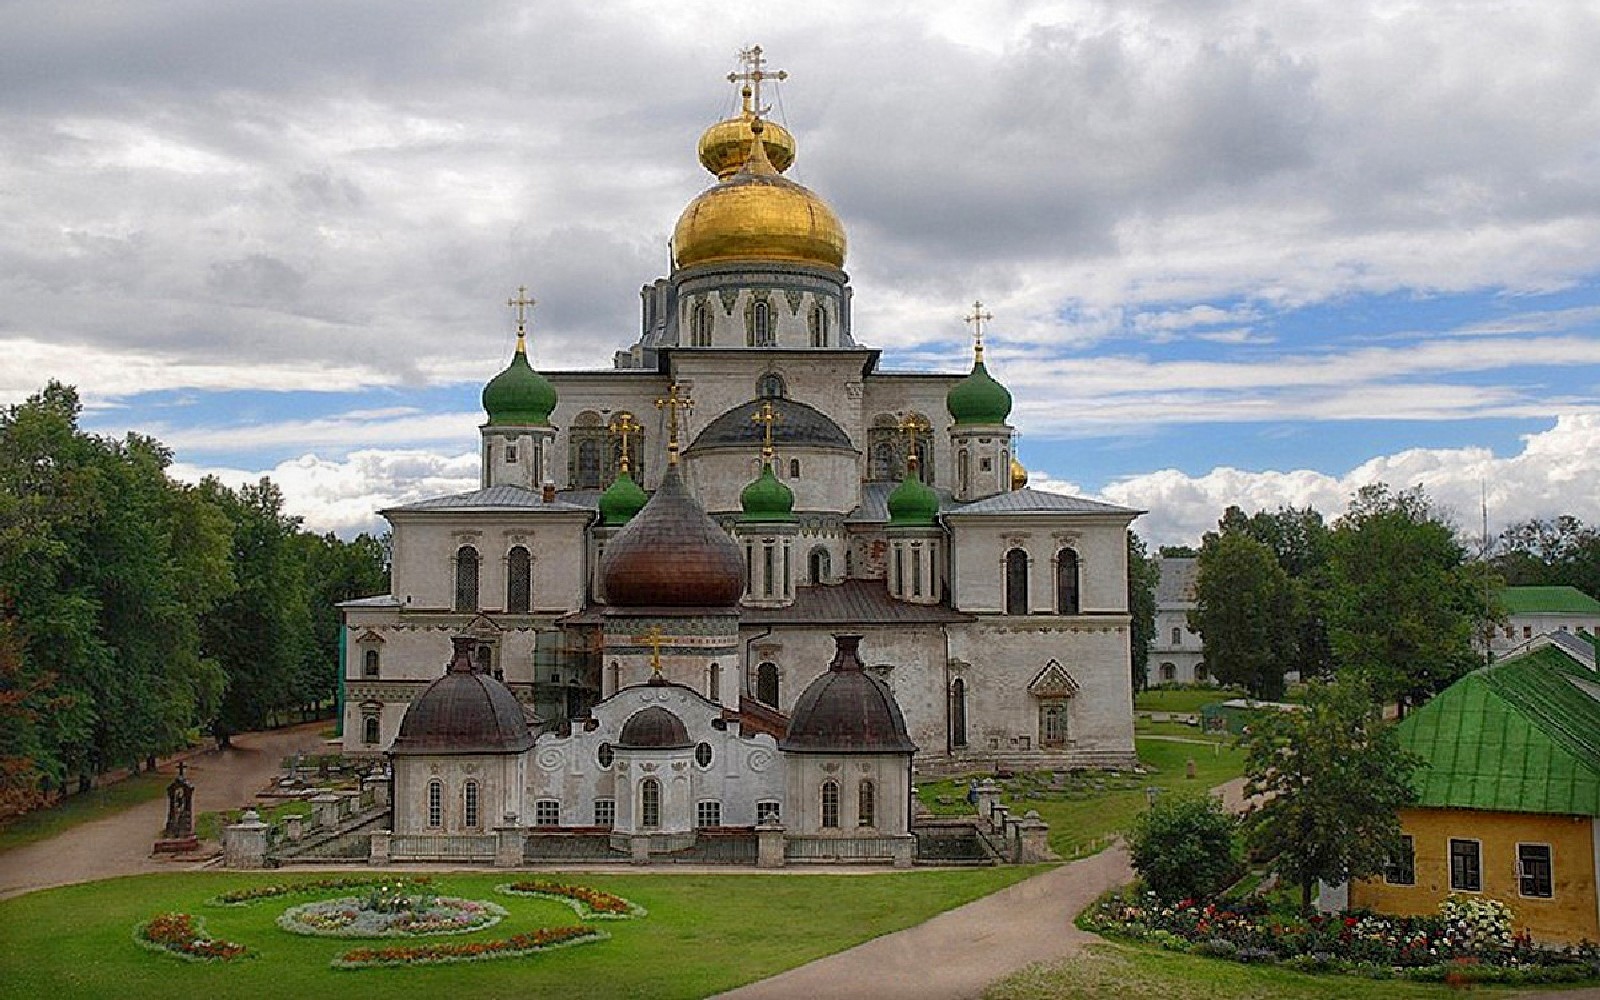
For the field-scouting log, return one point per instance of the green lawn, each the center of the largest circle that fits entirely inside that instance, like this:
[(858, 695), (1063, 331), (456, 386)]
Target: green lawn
[(1182, 699), (704, 934), (96, 803), (1133, 972)]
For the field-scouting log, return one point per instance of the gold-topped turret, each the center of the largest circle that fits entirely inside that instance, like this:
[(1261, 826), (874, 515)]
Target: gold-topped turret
[(726, 145)]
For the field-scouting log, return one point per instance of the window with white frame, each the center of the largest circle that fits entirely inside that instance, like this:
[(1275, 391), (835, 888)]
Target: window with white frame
[(605, 812), (469, 804), (547, 812), (435, 804), (1535, 874), (866, 804), (708, 814), (769, 811), (650, 804), (830, 805)]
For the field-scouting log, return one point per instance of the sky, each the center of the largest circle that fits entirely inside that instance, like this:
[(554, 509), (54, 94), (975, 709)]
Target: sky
[(1247, 252)]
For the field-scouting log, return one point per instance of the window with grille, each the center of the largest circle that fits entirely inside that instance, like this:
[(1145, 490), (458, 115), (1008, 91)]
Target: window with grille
[(830, 805), (1466, 867), (519, 580), (1067, 585), (768, 811), (650, 804), (435, 804), (767, 684), (700, 325), (605, 812), (1534, 873), (469, 804), (707, 814), (866, 805), (369, 731), (1016, 582), (702, 754), (369, 663), (466, 578), (547, 812), (770, 386), (761, 324), (1402, 868), (819, 326)]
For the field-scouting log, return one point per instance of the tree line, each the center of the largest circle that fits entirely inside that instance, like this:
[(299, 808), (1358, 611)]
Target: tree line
[(137, 610)]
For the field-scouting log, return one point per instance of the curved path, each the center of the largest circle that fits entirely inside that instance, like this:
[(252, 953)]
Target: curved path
[(120, 843)]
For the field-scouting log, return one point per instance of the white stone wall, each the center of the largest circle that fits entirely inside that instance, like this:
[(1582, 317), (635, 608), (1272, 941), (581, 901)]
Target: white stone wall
[(1185, 655), (731, 328), (500, 779), (425, 545), (1526, 626), (979, 545), (515, 456), (807, 772), (829, 480)]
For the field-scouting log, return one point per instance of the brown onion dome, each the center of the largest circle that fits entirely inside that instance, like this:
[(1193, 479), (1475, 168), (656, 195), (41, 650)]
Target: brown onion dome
[(847, 710), (653, 728), (463, 712), (672, 554)]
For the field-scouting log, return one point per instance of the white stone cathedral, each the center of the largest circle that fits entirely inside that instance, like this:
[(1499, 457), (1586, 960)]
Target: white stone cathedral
[(844, 499)]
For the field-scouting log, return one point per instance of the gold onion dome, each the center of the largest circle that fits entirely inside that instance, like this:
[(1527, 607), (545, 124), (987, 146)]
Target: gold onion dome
[(726, 145), (1019, 475), (755, 214)]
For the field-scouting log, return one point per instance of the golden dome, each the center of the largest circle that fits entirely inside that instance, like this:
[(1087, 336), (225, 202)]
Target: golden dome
[(754, 214), (1019, 475), (726, 145)]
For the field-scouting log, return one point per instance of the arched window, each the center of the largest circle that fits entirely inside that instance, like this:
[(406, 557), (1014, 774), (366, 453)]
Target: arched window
[(519, 580), (1177, 636), (830, 805), (587, 448), (1016, 582), (483, 658), (469, 804), (794, 468), (700, 325), (588, 465), (866, 805), (1169, 671), (435, 804), (369, 730), (1067, 582), (649, 804), (369, 663), (882, 462), (958, 713), (714, 682), (964, 470), (1053, 724), (767, 684), (466, 578), (760, 324), (819, 326), (820, 565), (616, 677), (1200, 674), (770, 386)]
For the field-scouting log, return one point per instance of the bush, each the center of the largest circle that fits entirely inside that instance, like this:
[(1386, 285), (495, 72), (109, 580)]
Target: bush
[(1183, 847)]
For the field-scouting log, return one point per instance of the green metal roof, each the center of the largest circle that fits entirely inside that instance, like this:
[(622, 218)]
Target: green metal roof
[(1522, 735), (1548, 600)]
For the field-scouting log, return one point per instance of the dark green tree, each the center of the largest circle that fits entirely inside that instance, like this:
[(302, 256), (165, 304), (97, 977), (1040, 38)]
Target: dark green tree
[(1144, 573), (1550, 552), (1184, 847), (335, 570), (1244, 611), (1332, 779)]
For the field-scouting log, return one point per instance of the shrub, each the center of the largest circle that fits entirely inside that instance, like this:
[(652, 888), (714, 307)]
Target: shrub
[(1183, 847)]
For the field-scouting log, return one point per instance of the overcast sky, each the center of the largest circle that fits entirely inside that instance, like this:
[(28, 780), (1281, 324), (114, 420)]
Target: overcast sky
[(1237, 252)]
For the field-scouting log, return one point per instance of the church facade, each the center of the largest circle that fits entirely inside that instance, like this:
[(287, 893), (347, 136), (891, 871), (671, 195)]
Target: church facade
[(852, 499)]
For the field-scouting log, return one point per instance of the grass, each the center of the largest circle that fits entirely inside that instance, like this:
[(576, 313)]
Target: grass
[(208, 825), (97, 803), (1182, 699), (1135, 972), (1084, 817), (704, 934)]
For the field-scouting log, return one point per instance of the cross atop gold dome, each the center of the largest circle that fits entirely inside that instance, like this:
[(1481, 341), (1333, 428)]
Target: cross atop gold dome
[(754, 74)]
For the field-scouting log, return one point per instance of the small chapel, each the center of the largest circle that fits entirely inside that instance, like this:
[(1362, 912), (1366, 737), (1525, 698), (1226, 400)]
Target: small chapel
[(744, 576)]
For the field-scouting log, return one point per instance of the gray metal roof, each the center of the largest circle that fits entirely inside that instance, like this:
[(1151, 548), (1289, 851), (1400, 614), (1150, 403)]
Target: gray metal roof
[(797, 424), (492, 498), (1177, 580), (1030, 501), (379, 601), (874, 508)]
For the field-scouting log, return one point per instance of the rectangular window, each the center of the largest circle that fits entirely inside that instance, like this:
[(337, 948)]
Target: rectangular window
[(435, 804), (511, 454), (1402, 868), (1466, 867), (708, 814), (830, 805), (1534, 871), (1527, 631), (1177, 637), (605, 812), (547, 812), (768, 811), (1511, 632), (469, 794)]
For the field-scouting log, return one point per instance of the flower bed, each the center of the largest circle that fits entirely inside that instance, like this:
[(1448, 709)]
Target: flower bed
[(590, 904), (543, 939), (1469, 940), (184, 936), (386, 913), (255, 894)]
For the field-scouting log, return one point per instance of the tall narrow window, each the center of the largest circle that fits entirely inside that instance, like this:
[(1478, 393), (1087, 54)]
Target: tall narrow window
[(819, 565), (1534, 876), (519, 580), (1016, 582), (589, 473), (1177, 636), (964, 471), (700, 325), (958, 713), (369, 663), (1466, 867), (916, 571), (466, 578), (469, 804), (1053, 724), (1067, 584), (761, 324), (650, 804), (899, 571), (819, 326), (435, 804), (882, 463), (866, 805), (714, 682), (794, 468), (369, 730), (1402, 868), (767, 684), (830, 805)]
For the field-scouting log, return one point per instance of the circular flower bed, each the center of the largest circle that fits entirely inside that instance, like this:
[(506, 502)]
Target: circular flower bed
[(390, 911), (184, 936), (256, 893), (543, 939), (590, 904)]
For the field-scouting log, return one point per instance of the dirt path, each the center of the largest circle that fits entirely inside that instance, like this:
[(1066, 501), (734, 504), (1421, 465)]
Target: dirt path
[(120, 844)]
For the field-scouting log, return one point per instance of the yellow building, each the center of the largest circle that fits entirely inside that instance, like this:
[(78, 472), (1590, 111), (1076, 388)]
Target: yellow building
[(1508, 796)]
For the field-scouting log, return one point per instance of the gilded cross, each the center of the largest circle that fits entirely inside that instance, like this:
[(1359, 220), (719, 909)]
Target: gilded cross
[(654, 639), (754, 74), (672, 402), (976, 321), (767, 416), (913, 427), (622, 425), (522, 303)]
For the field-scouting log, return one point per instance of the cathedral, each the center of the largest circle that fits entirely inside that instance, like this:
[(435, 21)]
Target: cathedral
[(743, 514)]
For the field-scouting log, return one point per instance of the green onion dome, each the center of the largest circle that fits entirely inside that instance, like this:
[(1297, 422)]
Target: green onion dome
[(519, 395), (766, 499), (913, 503), (978, 398), (621, 500)]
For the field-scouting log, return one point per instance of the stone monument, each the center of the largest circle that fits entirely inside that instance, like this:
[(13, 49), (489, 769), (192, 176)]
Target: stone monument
[(177, 837)]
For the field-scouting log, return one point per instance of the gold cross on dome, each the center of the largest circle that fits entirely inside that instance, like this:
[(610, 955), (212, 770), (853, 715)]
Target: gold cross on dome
[(653, 639), (522, 303), (672, 402), (754, 74), (976, 321), (768, 416), (623, 425), (913, 427)]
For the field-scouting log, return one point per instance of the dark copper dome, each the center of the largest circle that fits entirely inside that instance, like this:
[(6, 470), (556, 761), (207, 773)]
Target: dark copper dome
[(672, 554), (847, 710), (653, 728), (463, 712)]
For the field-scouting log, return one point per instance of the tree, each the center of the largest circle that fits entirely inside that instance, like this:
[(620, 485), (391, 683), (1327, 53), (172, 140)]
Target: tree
[(1334, 777), (1244, 611), (1144, 573), (1178, 551), (1554, 552), (1402, 602), (1184, 847), (335, 570)]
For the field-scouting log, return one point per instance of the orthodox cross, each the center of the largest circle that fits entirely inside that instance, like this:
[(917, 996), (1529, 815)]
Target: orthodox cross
[(623, 425), (672, 402), (913, 426), (654, 639), (976, 321), (522, 303), (754, 74), (767, 416)]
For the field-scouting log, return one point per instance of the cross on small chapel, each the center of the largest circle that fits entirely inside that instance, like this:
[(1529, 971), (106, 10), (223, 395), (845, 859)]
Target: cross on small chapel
[(672, 402), (522, 303), (753, 59), (767, 416), (913, 427), (654, 639), (623, 425), (976, 321)]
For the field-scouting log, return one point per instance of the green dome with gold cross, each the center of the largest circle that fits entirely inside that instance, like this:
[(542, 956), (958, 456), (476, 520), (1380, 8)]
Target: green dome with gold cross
[(766, 499), (621, 500)]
